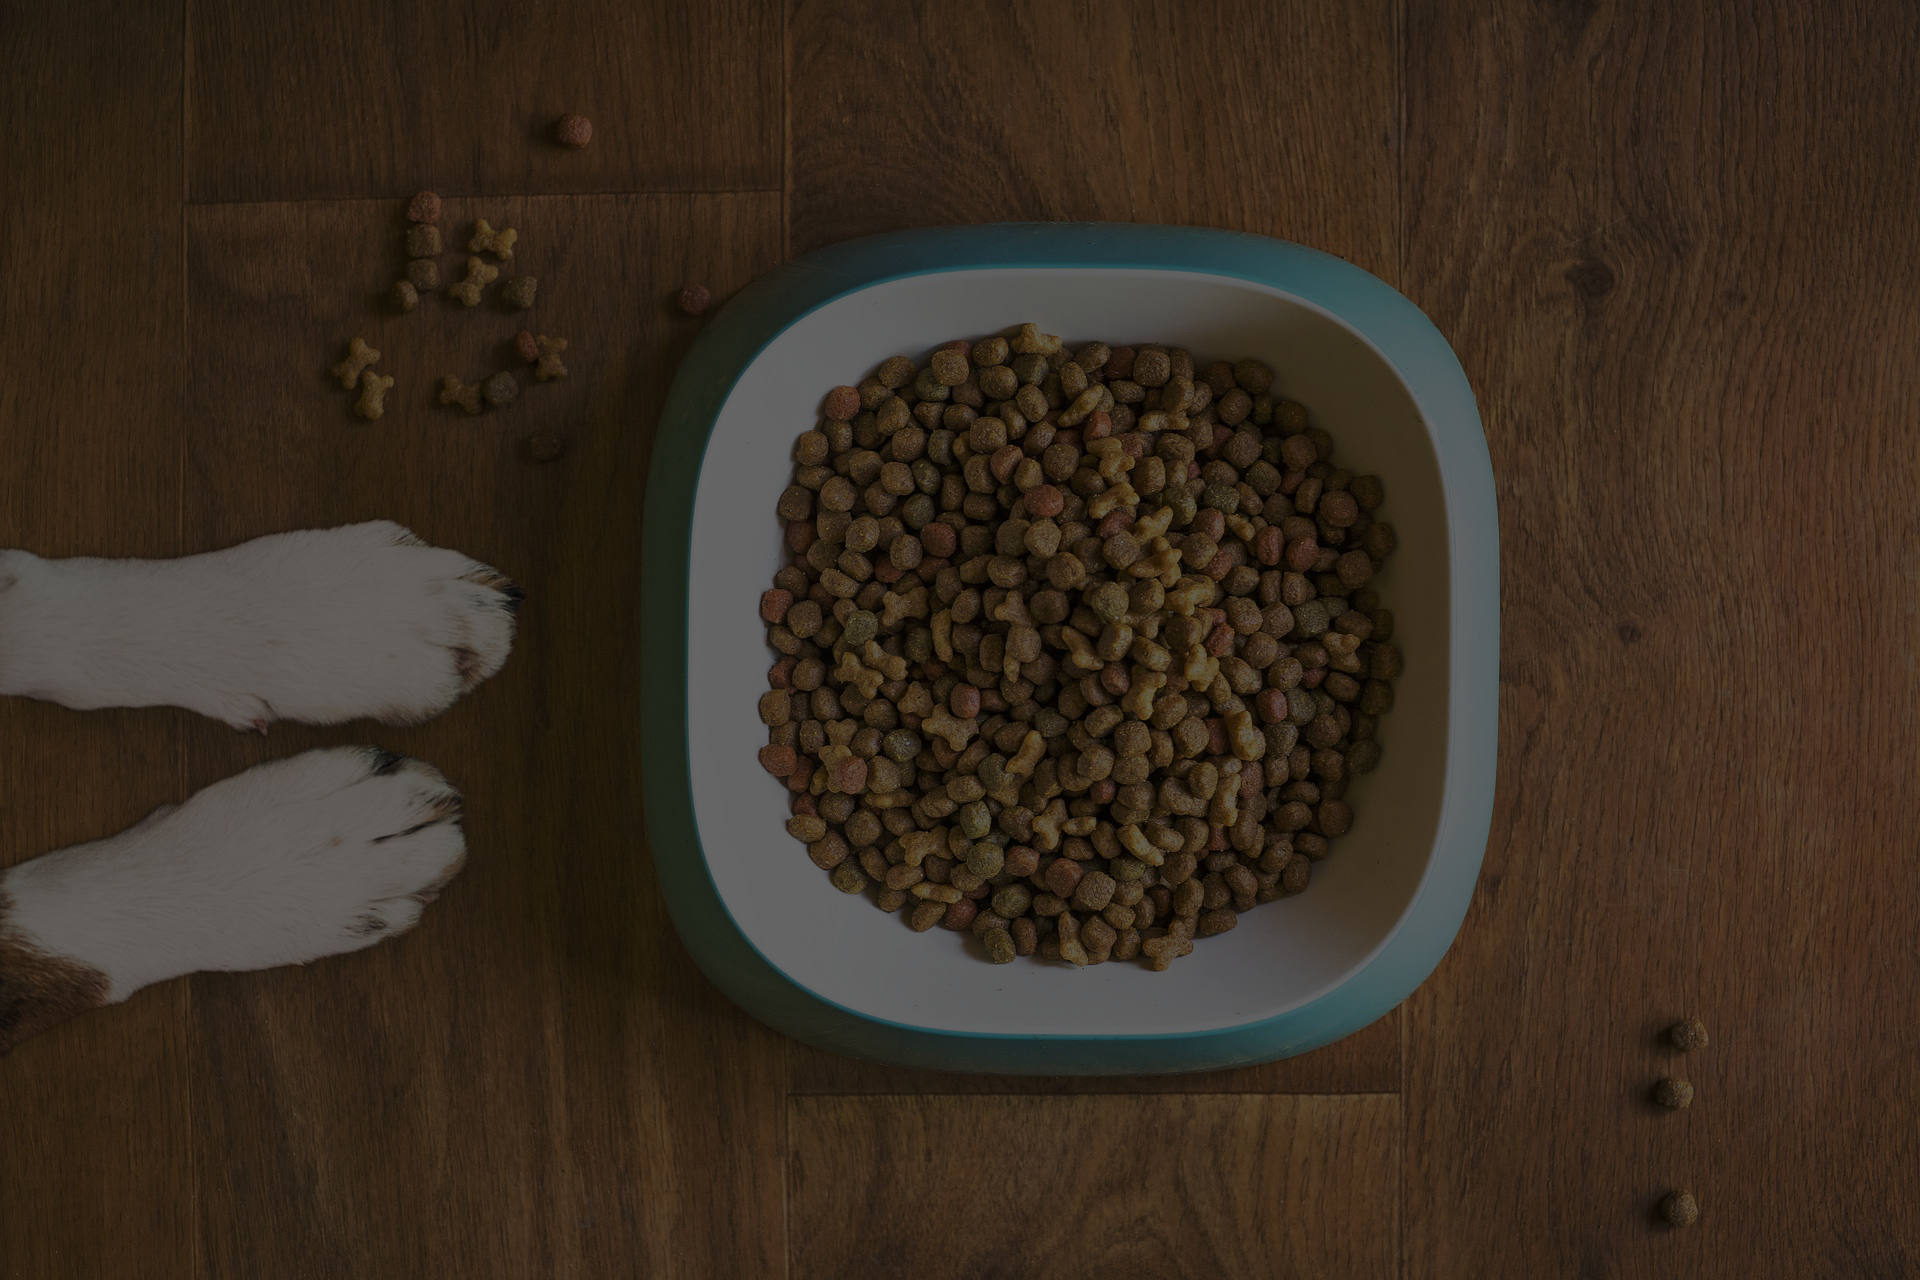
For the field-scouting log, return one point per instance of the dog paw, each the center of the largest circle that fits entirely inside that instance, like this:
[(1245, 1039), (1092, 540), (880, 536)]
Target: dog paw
[(320, 854), (320, 626)]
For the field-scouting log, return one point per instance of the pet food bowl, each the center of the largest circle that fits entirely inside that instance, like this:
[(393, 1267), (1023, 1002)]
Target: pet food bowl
[(764, 923)]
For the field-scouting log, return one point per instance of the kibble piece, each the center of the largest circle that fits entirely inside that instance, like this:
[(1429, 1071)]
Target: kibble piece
[(841, 404), (1674, 1095), (360, 357), (423, 241), (519, 292), (424, 275), (454, 391), (500, 390), (1688, 1035), (549, 366), (479, 276), (694, 299), (373, 395), (424, 207), (403, 297), (525, 347), (1679, 1209), (486, 240), (572, 130)]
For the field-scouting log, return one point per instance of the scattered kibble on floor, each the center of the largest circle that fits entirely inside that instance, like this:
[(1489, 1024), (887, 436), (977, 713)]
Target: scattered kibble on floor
[(424, 275), (574, 131), (695, 299), (500, 390), (454, 391), (360, 356), (424, 207), (1679, 1209), (403, 296), (373, 395), (519, 292), (423, 240), (549, 366), (526, 347), (486, 240), (1674, 1095), (479, 276), (1688, 1035)]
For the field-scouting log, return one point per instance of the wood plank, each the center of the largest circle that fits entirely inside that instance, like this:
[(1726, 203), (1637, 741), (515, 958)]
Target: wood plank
[(1283, 121), (1368, 1061), (1169, 1186), (1677, 253), (96, 1170), (536, 1082), (375, 97)]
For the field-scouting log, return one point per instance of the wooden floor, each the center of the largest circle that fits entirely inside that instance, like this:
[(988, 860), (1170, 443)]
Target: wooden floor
[(1679, 255)]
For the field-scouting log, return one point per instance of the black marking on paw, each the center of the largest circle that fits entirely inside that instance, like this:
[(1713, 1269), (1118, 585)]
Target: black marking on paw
[(366, 925), (466, 664), (386, 762), (514, 596)]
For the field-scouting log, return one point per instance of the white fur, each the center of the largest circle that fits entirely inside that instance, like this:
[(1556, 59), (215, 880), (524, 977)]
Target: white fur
[(323, 853), (319, 626)]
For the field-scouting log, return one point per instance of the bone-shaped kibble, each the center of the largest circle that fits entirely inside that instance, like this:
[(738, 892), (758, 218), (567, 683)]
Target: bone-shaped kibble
[(1200, 667), (1242, 527), (1114, 462), (897, 607), (1029, 341), (1032, 747), (1135, 842), (856, 673), (359, 357), (1147, 528), (549, 366), (1081, 826), (890, 665), (1191, 593), (454, 391), (1076, 413), (954, 731), (1011, 607), (479, 276), (1080, 654), (1116, 495), (1343, 651), (916, 701), (487, 240), (1046, 826), (918, 846), (840, 732), (1144, 687), (1150, 654), (1162, 561), (373, 395)]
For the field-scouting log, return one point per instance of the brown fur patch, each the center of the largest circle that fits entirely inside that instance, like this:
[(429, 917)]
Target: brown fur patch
[(38, 990)]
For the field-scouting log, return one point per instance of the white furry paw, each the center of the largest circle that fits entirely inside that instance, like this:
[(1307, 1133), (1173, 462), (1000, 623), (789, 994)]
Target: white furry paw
[(324, 853), (321, 626)]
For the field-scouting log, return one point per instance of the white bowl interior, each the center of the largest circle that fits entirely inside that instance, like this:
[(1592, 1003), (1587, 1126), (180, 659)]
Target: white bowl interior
[(1282, 954)]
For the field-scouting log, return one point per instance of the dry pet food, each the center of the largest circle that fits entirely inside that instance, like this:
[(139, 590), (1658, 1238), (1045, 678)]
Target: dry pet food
[(487, 240), (573, 131), (1674, 1095), (545, 446), (423, 241), (1679, 1209), (454, 391), (424, 275), (373, 395), (694, 299), (500, 390), (1080, 644), (525, 345), (519, 292), (359, 357), (548, 354), (1688, 1035), (424, 207), (403, 296), (479, 276)]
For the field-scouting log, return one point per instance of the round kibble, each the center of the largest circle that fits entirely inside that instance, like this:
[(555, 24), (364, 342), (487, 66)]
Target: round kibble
[(1674, 1095), (1679, 1209), (500, 390), (1688, 1035), (573, 131), (424, 207), (693, 299)]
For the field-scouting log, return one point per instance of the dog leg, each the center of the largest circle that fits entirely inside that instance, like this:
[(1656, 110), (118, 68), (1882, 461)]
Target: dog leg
[(320, 854), (320, 626)]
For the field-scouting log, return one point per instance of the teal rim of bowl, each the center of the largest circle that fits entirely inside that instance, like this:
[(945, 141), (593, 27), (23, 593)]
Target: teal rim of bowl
[(1397, 330)]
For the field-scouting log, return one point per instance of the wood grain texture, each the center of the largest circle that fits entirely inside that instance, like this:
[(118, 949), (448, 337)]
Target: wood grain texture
[(1367, 1061), (1678, 256), (1280, 119), (537, 1081), (97, 1174), (372, 97), (932, 1188)]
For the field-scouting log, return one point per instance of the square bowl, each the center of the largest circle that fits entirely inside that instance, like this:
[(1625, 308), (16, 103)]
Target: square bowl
[(762, 921)]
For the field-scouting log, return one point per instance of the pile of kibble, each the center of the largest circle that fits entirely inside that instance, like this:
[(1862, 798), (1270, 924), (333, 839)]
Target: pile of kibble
[(1077, 648)]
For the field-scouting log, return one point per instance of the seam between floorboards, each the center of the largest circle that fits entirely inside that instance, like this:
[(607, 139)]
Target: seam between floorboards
[(496, 195), (1119, 1093)]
